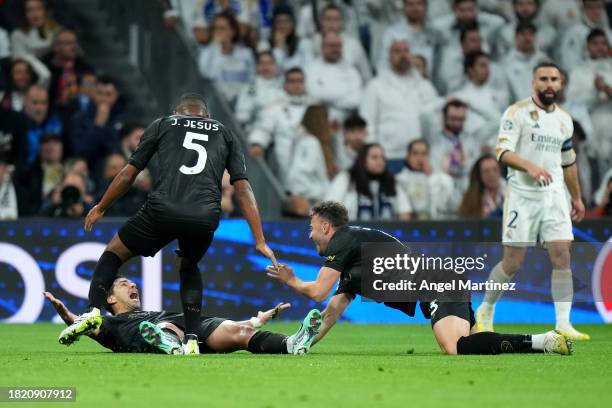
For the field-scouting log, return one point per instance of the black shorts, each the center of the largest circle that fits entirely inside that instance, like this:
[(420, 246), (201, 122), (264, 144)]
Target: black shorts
[(440, 310), (208, 326), (143, 234)]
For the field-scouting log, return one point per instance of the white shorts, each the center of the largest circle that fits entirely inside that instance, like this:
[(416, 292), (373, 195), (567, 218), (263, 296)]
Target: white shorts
[(536, 217)]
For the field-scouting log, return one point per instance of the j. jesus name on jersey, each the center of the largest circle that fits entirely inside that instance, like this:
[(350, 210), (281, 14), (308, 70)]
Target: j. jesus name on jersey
[(195, 124)]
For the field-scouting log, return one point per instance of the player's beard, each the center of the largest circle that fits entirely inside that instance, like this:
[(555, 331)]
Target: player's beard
[(547, 100)]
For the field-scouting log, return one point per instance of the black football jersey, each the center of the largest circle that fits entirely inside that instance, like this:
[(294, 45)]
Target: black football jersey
[(192, 153)]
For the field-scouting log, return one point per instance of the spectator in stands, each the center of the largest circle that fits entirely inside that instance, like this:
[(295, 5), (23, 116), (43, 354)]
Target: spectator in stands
[(353, 53), (78, 165), (289, 50), (603, 197), (561, 14), (451, 151), (25, 71), (591, 84), (66, 68), (354, 138), (13, 143), (42, 176), (309, 13), (85, 97), (95, 132), (332, 81), (429, 193), (572, 51), (419, 63), (40, 119), (312, 163), (466, 14), (486, 99), (368, 190), (450, 75), (69, 198), (526, 12), (130, 136), (37, 31), (518, 64), (8, 195), (393, 104), (278, 124), (264, 90), (131, 201), (380, 16), (227, 62), (484, 197), (422, 38)]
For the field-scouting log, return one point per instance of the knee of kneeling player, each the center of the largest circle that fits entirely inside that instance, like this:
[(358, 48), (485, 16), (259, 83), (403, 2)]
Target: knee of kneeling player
[(449, 347)]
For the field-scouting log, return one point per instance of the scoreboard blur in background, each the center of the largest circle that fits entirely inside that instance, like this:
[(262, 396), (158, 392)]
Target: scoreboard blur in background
[(59, 256)]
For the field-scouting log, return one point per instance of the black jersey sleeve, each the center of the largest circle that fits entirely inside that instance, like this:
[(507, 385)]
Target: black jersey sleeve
[(339, 254), (147, 146), (236, 164)]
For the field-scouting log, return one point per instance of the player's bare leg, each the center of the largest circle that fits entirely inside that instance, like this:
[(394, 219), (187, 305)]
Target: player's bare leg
[(336, 306), (503, 272), (105, 272), (453, 336), (562, 288)]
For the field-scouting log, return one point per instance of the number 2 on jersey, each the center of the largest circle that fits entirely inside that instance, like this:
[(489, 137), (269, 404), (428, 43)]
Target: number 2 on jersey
[(188, 143)]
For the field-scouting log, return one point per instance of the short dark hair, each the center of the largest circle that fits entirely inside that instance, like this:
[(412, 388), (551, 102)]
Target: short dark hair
[(330, 7), (454, 103), (192, 98), (458, 2), (262, 53), (416, 142), (231, 20), (596, 32), (468, 29), (525, 26), (354, 121), (471, 58), (294, 70), (546, 64), (331, 211), (111, 290)]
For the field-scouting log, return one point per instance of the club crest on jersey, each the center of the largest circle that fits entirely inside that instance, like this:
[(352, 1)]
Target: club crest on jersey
[(507, 126), (534, 116)]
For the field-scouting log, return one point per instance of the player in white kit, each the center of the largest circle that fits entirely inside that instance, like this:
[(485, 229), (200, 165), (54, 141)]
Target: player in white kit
[(535, 142)]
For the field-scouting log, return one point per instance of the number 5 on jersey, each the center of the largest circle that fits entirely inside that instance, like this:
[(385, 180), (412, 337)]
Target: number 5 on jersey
[(188, 143)]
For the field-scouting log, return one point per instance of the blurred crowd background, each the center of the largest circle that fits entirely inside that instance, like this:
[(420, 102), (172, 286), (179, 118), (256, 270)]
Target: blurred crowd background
[(389, 106)]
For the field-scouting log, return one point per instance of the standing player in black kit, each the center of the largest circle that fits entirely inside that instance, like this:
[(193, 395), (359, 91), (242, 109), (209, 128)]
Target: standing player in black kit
[(193, 151)]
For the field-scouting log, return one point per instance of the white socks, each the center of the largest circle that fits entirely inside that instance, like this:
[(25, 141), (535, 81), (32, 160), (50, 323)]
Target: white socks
[(537, 341), (562, 289), (497, 275)]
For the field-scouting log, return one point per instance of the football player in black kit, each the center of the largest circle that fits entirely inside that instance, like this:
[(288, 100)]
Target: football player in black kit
[(132, 330), (193, 151), (451, 321)]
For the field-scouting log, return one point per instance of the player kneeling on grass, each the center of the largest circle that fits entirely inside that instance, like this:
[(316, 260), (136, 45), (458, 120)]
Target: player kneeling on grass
[(133, 330), (452, 322)]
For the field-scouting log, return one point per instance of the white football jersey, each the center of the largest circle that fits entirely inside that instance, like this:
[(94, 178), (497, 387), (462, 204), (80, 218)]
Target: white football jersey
[(541, 137)]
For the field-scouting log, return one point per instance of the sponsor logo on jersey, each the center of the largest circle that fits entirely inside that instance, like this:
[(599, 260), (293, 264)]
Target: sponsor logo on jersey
[(602, 282), (331, 258)]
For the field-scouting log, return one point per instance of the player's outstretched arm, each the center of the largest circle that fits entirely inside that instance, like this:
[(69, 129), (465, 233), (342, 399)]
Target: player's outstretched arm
[(118, 187), (515, 161), (248, 205), (570, 175), (67, 316), (316, 290)]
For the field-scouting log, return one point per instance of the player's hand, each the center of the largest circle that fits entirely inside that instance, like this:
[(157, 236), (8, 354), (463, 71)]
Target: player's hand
[(60, 307), (265, 250), (281, 273), (577, 210), (93, 216), (540, 175), (266, 316)]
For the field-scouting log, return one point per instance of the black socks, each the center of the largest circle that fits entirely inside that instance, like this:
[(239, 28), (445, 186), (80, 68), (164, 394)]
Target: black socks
[(191, 295), (264, 342), (105, 273), (494, 343)]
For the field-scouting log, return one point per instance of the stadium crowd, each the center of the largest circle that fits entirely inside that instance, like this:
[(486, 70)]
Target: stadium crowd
[(389, 106)]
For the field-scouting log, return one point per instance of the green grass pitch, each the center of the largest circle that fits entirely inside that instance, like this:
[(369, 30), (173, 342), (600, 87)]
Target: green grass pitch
[(356, 366)]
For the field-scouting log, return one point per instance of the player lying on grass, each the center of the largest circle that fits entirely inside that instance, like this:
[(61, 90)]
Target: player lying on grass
[(451, 321), (133, 330)]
